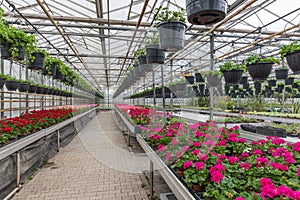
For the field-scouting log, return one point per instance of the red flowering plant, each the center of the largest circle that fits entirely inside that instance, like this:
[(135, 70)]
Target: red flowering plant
[(28, 123), (137, 115)]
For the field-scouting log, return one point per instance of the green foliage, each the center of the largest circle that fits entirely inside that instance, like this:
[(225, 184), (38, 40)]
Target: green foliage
[(293, 46), (212, 73), (140, 52), (259, 58), (232, 66), (295, 107), (153, 39), (166, 15)]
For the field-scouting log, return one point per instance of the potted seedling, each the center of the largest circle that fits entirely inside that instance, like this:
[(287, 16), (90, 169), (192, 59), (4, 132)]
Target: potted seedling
[(259, 66), (206, 12), (232, 72), (292, 54), (171, 29)]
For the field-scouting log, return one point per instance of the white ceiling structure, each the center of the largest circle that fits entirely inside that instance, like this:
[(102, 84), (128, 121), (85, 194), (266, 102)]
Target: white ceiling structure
[(97, 37)]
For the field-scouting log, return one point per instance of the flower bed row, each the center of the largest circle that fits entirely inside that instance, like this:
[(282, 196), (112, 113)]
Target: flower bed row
[(136, 114), (12, 129), (216, 163)]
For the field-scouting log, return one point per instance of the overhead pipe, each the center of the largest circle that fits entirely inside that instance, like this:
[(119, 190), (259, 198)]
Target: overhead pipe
[(66, 40), (134, 34)]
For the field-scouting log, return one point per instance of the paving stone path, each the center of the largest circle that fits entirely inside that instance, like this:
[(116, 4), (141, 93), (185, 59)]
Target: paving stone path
[(95, 165)]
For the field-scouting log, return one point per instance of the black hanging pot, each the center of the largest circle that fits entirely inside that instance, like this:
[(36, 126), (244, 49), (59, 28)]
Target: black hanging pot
[(199, 78), (23, 87), (213, 80), (195, 88), (246, 85), (21, 52), (244, 80), (171, 35), (5, 46), (295, 85), (59, 76), (260, 71), (289, 81), (293, 60), (45, 91), (257, 85), (38, 63), (288, 89), (272, 83), (154, 54), (190, 79), (281, 73), (206, 12), (11, 85), (142, 60), (232, 77), (2, 82), (201, 88), (32, 89)]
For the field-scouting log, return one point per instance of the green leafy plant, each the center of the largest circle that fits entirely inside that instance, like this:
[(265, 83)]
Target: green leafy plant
[(140, 52), (293, 46), (153, 39), (232, 66), (166, 15), (259, 58), (212, 73)]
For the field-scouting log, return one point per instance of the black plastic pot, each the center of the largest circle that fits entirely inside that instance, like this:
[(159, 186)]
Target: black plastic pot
[(246, 85), (271, 131), (154, 54), (195, 88), (257, 85), (59, 76), (39, 90), (32, 89), (2, 82), (11, 85), (289, 81), (288, 89), (232, 77), (5, 46), (213, 81), (38, 63), (272, 83), (248, 127), (21, 53), (142, 60), (293, 60), (201, 88), (281, 74), (23, 87), (206, 12), (199, 78), (171, 35), (244, 80), (260, 71), (190, 79)]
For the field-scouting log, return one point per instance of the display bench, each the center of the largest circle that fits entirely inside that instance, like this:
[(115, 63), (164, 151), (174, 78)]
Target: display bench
[(20, 159), (125, 126)]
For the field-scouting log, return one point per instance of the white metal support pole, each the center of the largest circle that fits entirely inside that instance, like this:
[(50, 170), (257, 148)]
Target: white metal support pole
[(171, 103), (154, 93), (283, 93), (18, 169), (58, 140), (151, 179), (212, 48), (163, 92)]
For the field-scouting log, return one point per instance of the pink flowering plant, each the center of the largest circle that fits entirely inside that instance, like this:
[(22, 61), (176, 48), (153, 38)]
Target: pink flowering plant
[(226, 165)]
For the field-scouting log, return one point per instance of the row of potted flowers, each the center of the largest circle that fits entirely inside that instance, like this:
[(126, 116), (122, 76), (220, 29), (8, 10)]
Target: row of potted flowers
[(217, 163), (136, 114), (12, 129)]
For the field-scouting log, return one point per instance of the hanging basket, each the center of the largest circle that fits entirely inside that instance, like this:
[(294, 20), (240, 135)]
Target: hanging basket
[(272, 83), (21, 52), (213, 81), (5, 46), (190, 79), (142, 60), (281, 74), (39, 90), (233, 77), (293, 60), (171, 35), (206, 12), (23, 87), (199, 78), (38, 63), (59, 76), (11, 85), (154, 54), (260, 71), (2, 82), (244, 80), (289, 81)]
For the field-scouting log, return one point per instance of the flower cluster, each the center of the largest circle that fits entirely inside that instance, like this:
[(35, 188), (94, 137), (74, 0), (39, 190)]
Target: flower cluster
[(219, 160), (139, 115)]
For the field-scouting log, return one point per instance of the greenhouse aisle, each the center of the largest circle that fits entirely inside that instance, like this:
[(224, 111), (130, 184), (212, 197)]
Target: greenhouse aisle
[(95, 165)]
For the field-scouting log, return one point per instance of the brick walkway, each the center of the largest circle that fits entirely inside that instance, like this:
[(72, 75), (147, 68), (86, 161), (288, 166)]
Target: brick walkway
[(95, 165)]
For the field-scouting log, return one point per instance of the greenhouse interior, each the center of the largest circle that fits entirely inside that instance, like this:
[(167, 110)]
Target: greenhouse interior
[(150, 99)]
